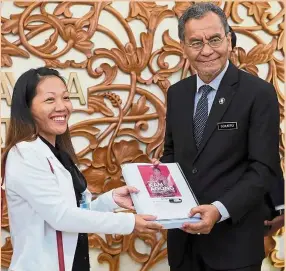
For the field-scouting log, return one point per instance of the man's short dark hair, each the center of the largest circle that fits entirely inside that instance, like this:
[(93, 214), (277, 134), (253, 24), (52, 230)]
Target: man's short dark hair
[(197, 11), (233, 38)]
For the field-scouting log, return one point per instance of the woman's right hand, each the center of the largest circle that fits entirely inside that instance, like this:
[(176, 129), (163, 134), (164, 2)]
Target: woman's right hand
[(145, 224)]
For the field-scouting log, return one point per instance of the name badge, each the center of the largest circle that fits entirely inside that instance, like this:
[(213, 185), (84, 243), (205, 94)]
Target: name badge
[(84, 205), (85, 202), (227, 126)]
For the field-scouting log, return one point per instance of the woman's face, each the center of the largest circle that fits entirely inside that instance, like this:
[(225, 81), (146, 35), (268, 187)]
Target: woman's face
[(51, 108), (157, 172)]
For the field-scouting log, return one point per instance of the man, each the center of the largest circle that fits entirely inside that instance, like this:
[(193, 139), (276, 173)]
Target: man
[(275, 198), (222, 127)]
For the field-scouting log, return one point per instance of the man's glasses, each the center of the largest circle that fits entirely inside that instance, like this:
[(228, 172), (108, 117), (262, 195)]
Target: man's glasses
[(213, 43)]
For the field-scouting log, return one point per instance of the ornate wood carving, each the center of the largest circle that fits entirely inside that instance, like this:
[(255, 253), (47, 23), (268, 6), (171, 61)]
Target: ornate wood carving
[(103, 170)]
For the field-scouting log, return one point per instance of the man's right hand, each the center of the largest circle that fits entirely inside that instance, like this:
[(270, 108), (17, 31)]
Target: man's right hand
[(145, 224), (155, 161), (275, 224)]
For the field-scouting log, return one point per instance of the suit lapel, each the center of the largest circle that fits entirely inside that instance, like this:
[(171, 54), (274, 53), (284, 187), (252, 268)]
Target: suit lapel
[(226, 90), (63, 176), (190, 86)]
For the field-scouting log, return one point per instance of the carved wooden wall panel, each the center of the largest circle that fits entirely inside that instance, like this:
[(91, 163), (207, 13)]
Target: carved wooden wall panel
[(125, 144)]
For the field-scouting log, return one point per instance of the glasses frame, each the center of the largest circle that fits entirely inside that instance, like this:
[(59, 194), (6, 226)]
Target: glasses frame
[(208, 43)]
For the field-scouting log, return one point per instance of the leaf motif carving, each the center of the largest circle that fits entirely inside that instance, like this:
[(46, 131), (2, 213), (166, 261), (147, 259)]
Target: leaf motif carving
[(6, 60), (63, 9), (99, 157), (23, 4), (150, 13), (261, 53), (114, 98), (98, 178), (8, 49), (126, 151), (86, 131), (55, 63), (139, 108), (11, 49), (80, 38), (280, 70), (281, 40), (171, 45), (256, 9), (252, 69), (11, 25), (234, 58), (95, 179), (142, 158), (142, 10), (6, 253), (180, 7), (113, 182), (110, 73), (113, 261), (241, 55), (97, 104), (4, 215)]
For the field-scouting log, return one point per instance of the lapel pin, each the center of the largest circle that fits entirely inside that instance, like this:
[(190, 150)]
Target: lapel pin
[(221, 100)]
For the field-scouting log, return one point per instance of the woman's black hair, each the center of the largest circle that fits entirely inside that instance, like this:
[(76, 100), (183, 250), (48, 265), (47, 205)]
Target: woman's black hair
[(25, 91), (22, 126)]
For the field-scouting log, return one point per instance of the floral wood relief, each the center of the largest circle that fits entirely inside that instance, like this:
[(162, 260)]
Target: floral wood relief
[(102, 170)]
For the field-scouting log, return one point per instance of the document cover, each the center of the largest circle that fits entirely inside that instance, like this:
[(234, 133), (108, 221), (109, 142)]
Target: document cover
[(164, 192)]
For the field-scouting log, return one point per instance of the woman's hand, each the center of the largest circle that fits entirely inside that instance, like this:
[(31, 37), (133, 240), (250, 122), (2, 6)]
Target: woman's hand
[(122, 198), (145, 224)]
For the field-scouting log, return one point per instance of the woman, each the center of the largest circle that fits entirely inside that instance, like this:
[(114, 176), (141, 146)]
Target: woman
[(45, 189)]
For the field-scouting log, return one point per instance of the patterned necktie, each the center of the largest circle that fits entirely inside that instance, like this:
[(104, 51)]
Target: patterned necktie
[(201, 115)]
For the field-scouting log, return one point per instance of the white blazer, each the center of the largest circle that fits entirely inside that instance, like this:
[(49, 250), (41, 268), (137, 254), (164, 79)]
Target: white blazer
[(40, 202)]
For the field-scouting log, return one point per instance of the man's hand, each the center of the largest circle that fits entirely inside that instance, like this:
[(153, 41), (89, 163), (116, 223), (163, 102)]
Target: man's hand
[(121, 196), (275, 224), (209, 216), (155, 161)]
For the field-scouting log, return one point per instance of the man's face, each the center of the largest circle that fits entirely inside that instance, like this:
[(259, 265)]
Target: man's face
[(208, 61)]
